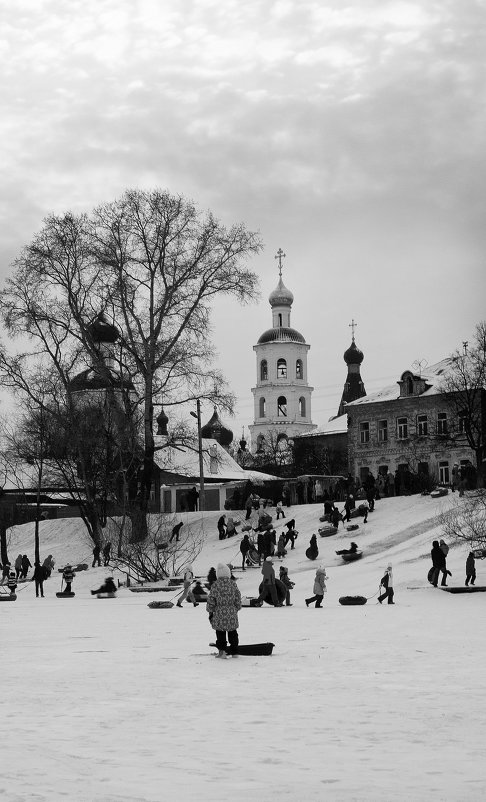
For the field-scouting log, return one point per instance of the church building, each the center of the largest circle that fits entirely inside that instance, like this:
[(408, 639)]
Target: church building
[(282, 394)]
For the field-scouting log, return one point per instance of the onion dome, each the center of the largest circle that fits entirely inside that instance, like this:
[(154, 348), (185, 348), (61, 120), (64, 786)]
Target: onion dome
[(281, 296), (162, 421), (353, 355), (103, 332), (214, 429), (281, 334)]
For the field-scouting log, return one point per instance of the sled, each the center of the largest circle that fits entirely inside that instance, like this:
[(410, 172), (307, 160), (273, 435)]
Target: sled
[(347, 600), (81, 567), (10, 597), (257, 649), (247, 601), (150, 590), (442, 491), (281, 592), (352, 527), (349, 558), (430, 574), (311, 554), (160, 605), (64, 595), (479, 554), (327, 531), (465, 589), (106, 595)]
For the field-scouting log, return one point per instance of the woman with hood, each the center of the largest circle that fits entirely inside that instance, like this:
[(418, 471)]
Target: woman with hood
[(187, 592), (319, 587), (223, 604)]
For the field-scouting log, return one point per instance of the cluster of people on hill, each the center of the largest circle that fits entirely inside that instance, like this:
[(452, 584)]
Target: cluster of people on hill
[(97, 551), (438, 554)]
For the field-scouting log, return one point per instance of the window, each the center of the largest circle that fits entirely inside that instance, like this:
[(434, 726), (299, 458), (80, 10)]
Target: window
[(262, 407), (422, 425), (364, 432), (383, 431), (462, 422), (302, 406), (402, 428), (281, 369), (282, 407), (409, 386), (442, 423), (263, 370), (299, 372), (444, 473)]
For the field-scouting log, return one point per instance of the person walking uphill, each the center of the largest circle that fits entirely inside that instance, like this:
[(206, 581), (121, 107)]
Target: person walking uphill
[(319, 587), (222, 605), (386, 582), (96, 556), (245, 547), (268, 584), (438, 564), (470, 569)]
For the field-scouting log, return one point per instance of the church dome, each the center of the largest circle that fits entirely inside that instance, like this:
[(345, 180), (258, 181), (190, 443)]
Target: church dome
[(103, 332), (281, 296), (214, 429), (353, 355), (281, 334)]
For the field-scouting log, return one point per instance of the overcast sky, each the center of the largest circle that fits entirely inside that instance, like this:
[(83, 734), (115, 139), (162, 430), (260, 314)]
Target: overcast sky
[(350, 134)]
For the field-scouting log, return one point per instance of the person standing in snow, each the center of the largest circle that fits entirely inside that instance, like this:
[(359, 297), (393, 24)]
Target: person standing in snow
[(386, 582), (268, 585), (68, 577), (281, 551), (222, 527), (470, 569), (285, 580), (438, 564), (176, 531), (12, 581), (187, 592), (26, 564), (38, 577), (107, 554), (223, 604), (319, 587), (48, 566), (279, 509), (96, 556), (18, 565), (291, 533), (445, 549), (245, 547)]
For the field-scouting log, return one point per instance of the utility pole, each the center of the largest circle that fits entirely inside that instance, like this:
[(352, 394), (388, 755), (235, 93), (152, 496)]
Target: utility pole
[(201, 464)]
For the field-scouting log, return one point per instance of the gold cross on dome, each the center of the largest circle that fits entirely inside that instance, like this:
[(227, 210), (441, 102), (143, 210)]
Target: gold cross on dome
[(280, 255), (352, 326)]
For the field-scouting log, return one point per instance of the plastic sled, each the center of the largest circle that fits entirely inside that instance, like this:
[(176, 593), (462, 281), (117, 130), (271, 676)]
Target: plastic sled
[(349, 558), (249, 601), (63, 595), (160, 605), (106, 595), (10, 597), (81, 567), (327, 531), (348, 600), (442, 491), (465, 589), (150, 590), (352, 527), (311, 554), (281, 592), (251, 648)]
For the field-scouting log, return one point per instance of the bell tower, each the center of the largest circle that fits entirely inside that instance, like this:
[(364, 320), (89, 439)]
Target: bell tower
[(282, 395)]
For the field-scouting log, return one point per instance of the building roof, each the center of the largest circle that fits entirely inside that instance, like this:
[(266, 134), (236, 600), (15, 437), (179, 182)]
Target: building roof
[(281, 334), (431, 375), (337, 425), (185, 462)]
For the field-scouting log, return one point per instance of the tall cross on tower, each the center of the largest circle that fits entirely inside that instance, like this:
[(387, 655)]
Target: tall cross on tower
[(280, 255), (352, 326)]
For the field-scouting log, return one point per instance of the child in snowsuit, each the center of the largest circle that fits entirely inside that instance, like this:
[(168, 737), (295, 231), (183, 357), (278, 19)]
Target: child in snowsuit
[(107, 587), (187, 592), (280, 511), (284, 578), (470, 568), (387, 583), (223, 604), (319, 587), (12, 581), (68, 577), (281, 551)]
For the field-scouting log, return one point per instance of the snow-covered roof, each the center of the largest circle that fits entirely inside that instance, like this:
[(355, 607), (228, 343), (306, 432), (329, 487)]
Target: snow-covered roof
[(218, 464), (432, 375), (337, 425)]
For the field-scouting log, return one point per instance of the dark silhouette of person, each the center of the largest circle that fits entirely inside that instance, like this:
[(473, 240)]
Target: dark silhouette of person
[(176, 531), (107, 554), (96, 556)]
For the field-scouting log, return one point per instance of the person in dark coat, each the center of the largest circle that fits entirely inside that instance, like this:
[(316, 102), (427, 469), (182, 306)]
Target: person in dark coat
[(291, 534), (261, 547), (96, 556), (285, 580), (211, 577), (470, 569), (38, 577), (438, 564), (313, 544), (245, 547), (18, 566), (223, 604), (336, 517), (176, 531), (386, 582), (108, 586), (48, 566), (222, 527), (107, 554), (26, 564), (268, 584), (193, 497)]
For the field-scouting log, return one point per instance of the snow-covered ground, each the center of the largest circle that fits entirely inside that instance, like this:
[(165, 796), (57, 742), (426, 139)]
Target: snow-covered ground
[(115, 702)]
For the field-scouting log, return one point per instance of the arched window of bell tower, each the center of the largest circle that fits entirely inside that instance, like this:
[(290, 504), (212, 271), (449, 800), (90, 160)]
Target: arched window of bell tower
[(299, 370), (262, 408), (280, 319), (302, 406), (282, 407), (263, 370), (281, 369)]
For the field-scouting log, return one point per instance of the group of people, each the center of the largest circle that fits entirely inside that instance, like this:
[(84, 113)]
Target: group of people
[(97, 551)]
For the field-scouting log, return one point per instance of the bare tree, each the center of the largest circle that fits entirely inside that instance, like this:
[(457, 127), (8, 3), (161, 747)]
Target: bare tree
[(464, 387), (153, 263), (465, 522)]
